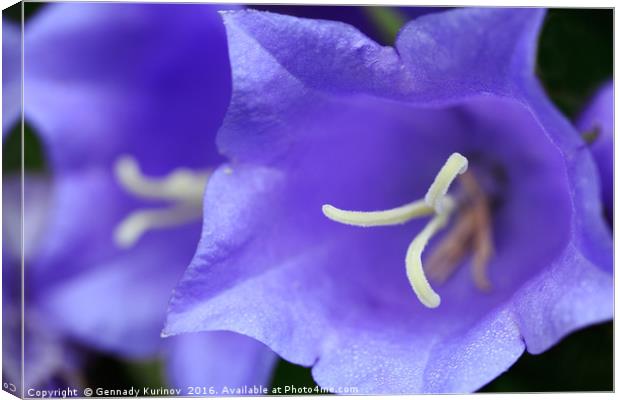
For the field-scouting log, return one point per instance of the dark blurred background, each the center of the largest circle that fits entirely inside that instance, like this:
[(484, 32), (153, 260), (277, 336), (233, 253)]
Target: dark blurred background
[(575, 56)]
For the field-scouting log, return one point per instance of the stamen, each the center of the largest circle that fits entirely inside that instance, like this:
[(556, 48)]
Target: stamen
[(482, 235), (413, 260), (472, 232), (448, 253), (183, 187), (456, 165), (180, 185), (436, 201), (483, 251), (131, 229), (395, 216)]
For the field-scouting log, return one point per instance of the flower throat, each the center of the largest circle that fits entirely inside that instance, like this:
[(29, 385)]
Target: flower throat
[(471, 232), (183, 188)]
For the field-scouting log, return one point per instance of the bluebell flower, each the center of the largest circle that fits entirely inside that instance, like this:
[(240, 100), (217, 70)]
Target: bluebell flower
[(11, 76), (127, 99), (48, 363), (596, 122), (374, 21), (500, 245)]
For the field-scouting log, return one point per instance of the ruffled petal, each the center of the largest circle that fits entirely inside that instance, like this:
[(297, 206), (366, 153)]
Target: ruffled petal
[(292, 61), (364, 18), (327, 58), (598, 118), (568, 295), (471, 51), (589, 231), (389, 359)]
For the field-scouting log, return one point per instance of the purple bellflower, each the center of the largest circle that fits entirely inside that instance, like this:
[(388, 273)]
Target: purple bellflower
[(597, 120), (370, 20), (47, 362), (127, 100), (11, 76), (321, 115)]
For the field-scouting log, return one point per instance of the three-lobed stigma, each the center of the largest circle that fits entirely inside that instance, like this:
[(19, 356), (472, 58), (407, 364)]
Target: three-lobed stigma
[(184, 188), (438, 204)]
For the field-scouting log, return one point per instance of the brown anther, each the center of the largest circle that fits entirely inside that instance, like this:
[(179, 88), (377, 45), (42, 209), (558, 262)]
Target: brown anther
[(471, 233), (447, 255), (482, 243)]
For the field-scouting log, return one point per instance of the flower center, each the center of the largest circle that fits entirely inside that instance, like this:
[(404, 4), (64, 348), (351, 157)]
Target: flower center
[(183, 188), (470, 233)]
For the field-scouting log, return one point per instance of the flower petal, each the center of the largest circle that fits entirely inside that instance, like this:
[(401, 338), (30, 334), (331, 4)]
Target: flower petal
[(129, 72), (78, 266), (363, 18), (272, 267), (571, 294), (470, 51), (120, 305), (300, 63), (102, 80), (11, 74), (290, 61), (384, 362), (217, 360), (598, 117), (590, 233), (45, 358), (70, 228)]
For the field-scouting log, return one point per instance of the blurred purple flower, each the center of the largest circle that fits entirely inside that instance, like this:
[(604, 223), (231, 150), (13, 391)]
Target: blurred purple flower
[(11, 76), (127, 99), (322, 114), (47, 362), (597, 119)]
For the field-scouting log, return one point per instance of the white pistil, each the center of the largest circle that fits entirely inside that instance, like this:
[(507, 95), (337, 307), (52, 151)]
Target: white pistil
[(395, 216), (456, 165), (413, 260), (183, 187), (436, 201)]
